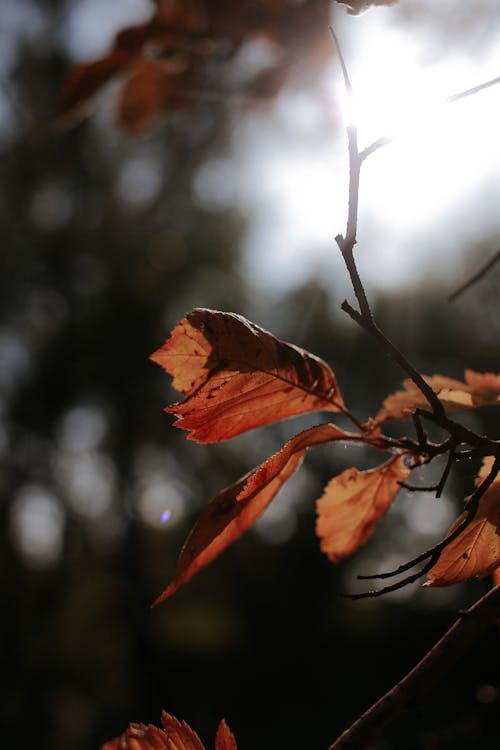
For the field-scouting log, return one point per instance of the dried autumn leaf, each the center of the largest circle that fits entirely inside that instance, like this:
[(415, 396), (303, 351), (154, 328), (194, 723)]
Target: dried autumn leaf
[(401, 404), (484, 387), (205, 35), (139, 737), (151, 86), (85, 79), (225, 738), (174, 735), (352, 504), (236, 508), (237, 376), (480, 389), (179, 735), (475, 552)]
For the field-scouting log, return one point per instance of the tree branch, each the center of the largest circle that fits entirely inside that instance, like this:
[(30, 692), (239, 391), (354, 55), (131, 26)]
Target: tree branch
[(477, 277), (364, 316), (384, 140), (392, 350), (346, 245), (470, 626), (472, 91), (432, 554)]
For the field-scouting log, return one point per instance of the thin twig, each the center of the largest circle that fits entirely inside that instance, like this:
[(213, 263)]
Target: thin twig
[(345, 72), (439, 486), (422, 437), (373, 594), (393, 351), (419, 488), (384, 140), (472, 91), (476, 277), (460, 433), (346, 244), (470, 626), (446, 472)]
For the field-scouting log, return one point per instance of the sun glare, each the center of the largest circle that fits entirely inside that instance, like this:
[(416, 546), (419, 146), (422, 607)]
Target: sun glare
[(400, 93), (390, 89), (442, 161)]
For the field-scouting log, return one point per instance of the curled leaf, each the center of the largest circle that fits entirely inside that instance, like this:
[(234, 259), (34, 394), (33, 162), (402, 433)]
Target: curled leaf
[(236, 508), (237, 376), (479, 389), (352, 504), (475, 552)]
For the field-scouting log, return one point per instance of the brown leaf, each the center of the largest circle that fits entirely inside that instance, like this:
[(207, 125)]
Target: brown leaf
[(84, 80), (475, 553), (180, 736), (352, 504), (166, 33), (197, 32), (142, 96), (139, 737), (151, 86), (225, 738), (175, 735), (237, 376), (236, 508), (484, 387), (480, 389)]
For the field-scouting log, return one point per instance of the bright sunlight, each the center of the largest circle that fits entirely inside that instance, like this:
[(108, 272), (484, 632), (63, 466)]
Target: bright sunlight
[(413, 195)]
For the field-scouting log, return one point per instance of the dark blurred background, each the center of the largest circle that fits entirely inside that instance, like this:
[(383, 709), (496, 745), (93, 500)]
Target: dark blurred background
[(106, 243)]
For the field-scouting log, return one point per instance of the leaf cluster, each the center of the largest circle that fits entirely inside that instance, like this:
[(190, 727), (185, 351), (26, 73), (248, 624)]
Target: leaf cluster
[(236, 376), (179, 56)]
